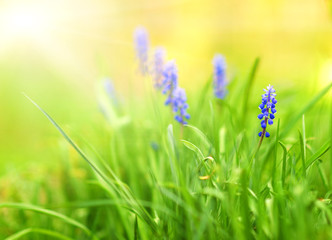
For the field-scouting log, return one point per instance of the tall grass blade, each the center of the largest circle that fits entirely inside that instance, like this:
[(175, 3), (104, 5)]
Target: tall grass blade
[(124, 190), (302, 155), (136, 229), (321, 151), (249, 84), (283, 170)]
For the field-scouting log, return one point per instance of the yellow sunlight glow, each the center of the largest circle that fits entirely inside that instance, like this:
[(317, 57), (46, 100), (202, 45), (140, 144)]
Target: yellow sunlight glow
[(24, 21), (46, 29), (326, 73)]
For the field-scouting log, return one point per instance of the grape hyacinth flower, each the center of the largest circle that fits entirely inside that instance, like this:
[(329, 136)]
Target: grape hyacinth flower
[(170, 81), (158, 64), (110, 91), (219, 76), (180, 105), (268, 110), (141, 40)]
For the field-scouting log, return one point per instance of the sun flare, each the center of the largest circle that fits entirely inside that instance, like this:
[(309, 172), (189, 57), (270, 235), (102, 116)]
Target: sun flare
[(25, 21)]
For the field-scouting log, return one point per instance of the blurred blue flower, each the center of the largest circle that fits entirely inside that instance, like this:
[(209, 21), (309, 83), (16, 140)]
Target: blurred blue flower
[(141, 40), (180, 105), (170, 81), (110, 91), (219, 76), (158, 64), (154, 145), (268, 109)]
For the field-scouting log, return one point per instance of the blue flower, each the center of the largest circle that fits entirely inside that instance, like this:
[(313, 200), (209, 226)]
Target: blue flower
[(141, 40), (110, 91), (158, 64), (268, 110), (180, 105), (219, 76), (170, 81)]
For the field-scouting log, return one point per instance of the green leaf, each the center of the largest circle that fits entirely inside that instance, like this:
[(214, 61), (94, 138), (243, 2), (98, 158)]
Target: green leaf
[(321, 151), (283, 171), (193, 148), (302, 155), (201, 135), (249, 84), (42, 231)]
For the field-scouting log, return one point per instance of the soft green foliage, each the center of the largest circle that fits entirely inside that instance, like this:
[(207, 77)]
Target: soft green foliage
[(147, 178)]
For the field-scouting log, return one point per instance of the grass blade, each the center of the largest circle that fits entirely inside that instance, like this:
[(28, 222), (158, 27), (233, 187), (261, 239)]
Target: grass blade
[(51, 213), (123, 191), (136, 229), (322, 150), (193, 148), (250, 82), (302, 155), (283, 171), (276, 154), (40, 231)]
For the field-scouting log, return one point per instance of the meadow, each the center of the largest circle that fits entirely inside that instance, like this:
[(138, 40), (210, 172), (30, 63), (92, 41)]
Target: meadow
[(172, 159)]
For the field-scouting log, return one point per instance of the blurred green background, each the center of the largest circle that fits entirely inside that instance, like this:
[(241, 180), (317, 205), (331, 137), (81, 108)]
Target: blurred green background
[(56, 51)]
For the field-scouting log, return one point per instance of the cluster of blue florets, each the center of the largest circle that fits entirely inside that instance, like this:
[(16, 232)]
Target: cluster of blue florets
[(219, 76), (141, 40), (158, 64), (268, 109), (110, 91), (180, 105), (176, 96), (165, 75), (170, 80)]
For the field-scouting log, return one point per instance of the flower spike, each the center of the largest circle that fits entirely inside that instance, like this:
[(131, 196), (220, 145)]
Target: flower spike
[(158, 64), (268, 110), (180, 105), (219, 76), (141, 40), (170, 81)]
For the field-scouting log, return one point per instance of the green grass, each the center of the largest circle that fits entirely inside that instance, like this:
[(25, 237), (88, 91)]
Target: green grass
[(140, 176)]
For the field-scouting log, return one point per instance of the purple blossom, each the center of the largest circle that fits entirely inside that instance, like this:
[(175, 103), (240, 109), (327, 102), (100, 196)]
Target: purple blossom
[(170, 80), (110, 91), (180, 105), (158, 64), (219, 76), (141, 40), (268, 110)]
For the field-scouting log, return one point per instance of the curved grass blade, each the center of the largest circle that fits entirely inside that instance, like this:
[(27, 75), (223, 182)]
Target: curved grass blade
[(193, 148), (322, 175), (201, 135), (249, 84), (124, 190), (51, 213), (78, 150), (322, 150), (42, 231)]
